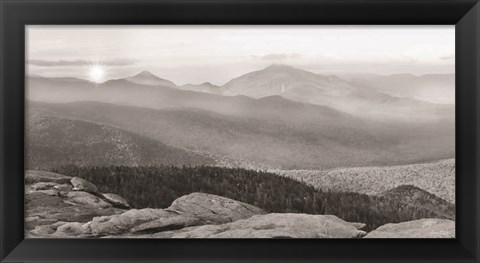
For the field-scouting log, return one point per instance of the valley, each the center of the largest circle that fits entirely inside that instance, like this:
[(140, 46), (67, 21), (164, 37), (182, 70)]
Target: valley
[(274, 142)]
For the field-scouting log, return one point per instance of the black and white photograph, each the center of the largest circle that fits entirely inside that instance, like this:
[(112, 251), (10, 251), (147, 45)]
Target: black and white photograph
[(239, 131)]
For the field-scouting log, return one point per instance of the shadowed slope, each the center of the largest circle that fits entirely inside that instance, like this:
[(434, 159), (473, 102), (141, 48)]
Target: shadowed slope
[(53, 141)]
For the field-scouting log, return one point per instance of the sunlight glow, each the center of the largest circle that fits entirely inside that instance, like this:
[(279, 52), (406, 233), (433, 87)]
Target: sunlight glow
[(96, 72)]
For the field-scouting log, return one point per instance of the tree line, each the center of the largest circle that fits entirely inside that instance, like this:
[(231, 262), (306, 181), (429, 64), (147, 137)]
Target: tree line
[(158, 186)]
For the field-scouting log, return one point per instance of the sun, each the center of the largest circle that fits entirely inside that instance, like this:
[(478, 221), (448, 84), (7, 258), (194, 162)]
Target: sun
[(97, 72)]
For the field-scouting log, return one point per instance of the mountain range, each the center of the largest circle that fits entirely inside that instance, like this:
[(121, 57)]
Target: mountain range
[(276, 118), (287, 81), (357, 97), (330, 90)]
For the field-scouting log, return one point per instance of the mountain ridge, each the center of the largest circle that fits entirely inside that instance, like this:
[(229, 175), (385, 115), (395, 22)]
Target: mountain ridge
[(53, 140), (277, 86), (148, 78)]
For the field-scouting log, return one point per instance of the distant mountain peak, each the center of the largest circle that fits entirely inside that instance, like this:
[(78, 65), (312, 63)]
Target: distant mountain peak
[(278, 79), (208, 84), (279, 67), (148, 78), (146, 73)]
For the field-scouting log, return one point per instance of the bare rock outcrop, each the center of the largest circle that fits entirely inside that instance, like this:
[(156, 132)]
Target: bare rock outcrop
[(46, 206), (213, 208), (34, 176), (140, 221), (190, 210), (80, 184), (50, 202), (116, 200), (85, 199), (274, 226), (422, 228)]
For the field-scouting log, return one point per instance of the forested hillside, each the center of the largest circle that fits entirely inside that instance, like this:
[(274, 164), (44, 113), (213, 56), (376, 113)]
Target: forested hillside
[(158, 186), (54, 141), (414, 196), (437, 178)]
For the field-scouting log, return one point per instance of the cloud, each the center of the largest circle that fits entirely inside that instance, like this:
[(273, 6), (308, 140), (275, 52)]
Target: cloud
[(274, 56), (449, 57), (79, 62), (47, 63), (121, 62), (278, 56)]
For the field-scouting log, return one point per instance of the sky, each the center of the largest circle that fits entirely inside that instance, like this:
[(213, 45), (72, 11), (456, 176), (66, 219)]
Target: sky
[(216, 54)]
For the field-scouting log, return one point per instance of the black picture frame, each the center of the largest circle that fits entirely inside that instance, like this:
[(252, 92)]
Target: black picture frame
[(15, 14)]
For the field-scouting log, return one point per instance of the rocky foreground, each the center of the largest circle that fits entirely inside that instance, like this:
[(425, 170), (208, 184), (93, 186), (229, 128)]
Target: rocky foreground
[(59, 206)]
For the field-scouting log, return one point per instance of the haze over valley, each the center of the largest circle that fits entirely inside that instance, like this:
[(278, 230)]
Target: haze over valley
[(265, 128)]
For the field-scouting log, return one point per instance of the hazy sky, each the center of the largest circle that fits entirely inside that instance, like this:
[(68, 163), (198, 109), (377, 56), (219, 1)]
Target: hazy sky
[(196, 54)]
